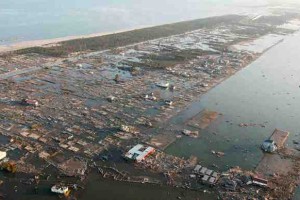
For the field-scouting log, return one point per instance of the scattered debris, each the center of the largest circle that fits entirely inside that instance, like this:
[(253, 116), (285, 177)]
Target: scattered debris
[(163, 84), (129, 129), (219, 153), (61, 190), (151, 97), (193, 134), (111, 98), (9, 167), (30, 102), (169, 102), (73, 167), (269, 146), (203, 119), (75, 118)]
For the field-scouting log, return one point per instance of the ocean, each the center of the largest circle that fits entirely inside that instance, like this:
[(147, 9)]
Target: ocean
[(28, 20)]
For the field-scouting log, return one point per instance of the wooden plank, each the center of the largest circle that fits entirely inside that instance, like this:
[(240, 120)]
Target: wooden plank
[(203, 119), (162, 141), (279, 137)]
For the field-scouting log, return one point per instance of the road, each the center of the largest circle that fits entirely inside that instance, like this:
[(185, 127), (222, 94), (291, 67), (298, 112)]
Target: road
[(29, 69), (18, 72)]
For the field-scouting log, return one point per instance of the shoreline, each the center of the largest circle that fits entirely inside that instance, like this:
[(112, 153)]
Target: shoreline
[(54, 41), (5, 48), (65, 90), (57, 47)]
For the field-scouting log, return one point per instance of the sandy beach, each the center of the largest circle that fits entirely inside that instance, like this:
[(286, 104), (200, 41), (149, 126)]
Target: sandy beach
[(55, 41)]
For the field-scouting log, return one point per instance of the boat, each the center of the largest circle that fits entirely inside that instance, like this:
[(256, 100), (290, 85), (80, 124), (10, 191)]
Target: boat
[(30, 102), (163, 84), (204, 85), (60, 190), (193, 134), (169, 102), (269, 146)]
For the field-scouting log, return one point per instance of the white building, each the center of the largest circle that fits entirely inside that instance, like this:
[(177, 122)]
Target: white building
[(139, 152)]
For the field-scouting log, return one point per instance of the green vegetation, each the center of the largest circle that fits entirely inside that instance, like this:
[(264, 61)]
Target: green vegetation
[(55, 52), (130, 37)]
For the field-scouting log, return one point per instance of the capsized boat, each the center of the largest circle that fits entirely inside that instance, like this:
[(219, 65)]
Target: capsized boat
[(59, 189), (163, 84)]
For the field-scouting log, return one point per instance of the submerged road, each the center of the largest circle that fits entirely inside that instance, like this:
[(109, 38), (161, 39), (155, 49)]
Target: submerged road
[(30, 69), (18, 72)]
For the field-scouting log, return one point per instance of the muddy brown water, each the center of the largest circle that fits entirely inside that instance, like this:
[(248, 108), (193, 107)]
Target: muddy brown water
[(266, 92)]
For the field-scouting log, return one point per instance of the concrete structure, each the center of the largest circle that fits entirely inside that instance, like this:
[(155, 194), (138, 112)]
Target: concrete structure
[(197, 168), (2, 155), (205, 178), (203, 170), (208, 172), (139, 152)]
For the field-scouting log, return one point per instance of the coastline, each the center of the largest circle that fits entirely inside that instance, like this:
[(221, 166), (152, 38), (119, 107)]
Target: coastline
[(58, 47), (136, 86), (55, 41)]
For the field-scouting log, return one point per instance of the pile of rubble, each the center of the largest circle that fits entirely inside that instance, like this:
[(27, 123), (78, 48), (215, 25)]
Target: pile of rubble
[(238, 184)]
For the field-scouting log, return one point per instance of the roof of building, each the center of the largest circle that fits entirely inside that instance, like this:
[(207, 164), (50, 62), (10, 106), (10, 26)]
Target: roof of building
[(139, 152), (2, 154)]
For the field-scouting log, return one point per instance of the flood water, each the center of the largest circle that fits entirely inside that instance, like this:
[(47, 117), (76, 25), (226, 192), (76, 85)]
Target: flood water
[(109, 190), (266, 93), (28, 20)]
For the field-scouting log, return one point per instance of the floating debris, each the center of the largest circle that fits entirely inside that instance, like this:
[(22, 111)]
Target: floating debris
[(163, 84), (59, 189), (193, 134), (169, 102), (269, 146), (111, 98), (30, 102)]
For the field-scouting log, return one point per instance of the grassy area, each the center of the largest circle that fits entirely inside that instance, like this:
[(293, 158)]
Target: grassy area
[(130, 37), (55, 52)]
